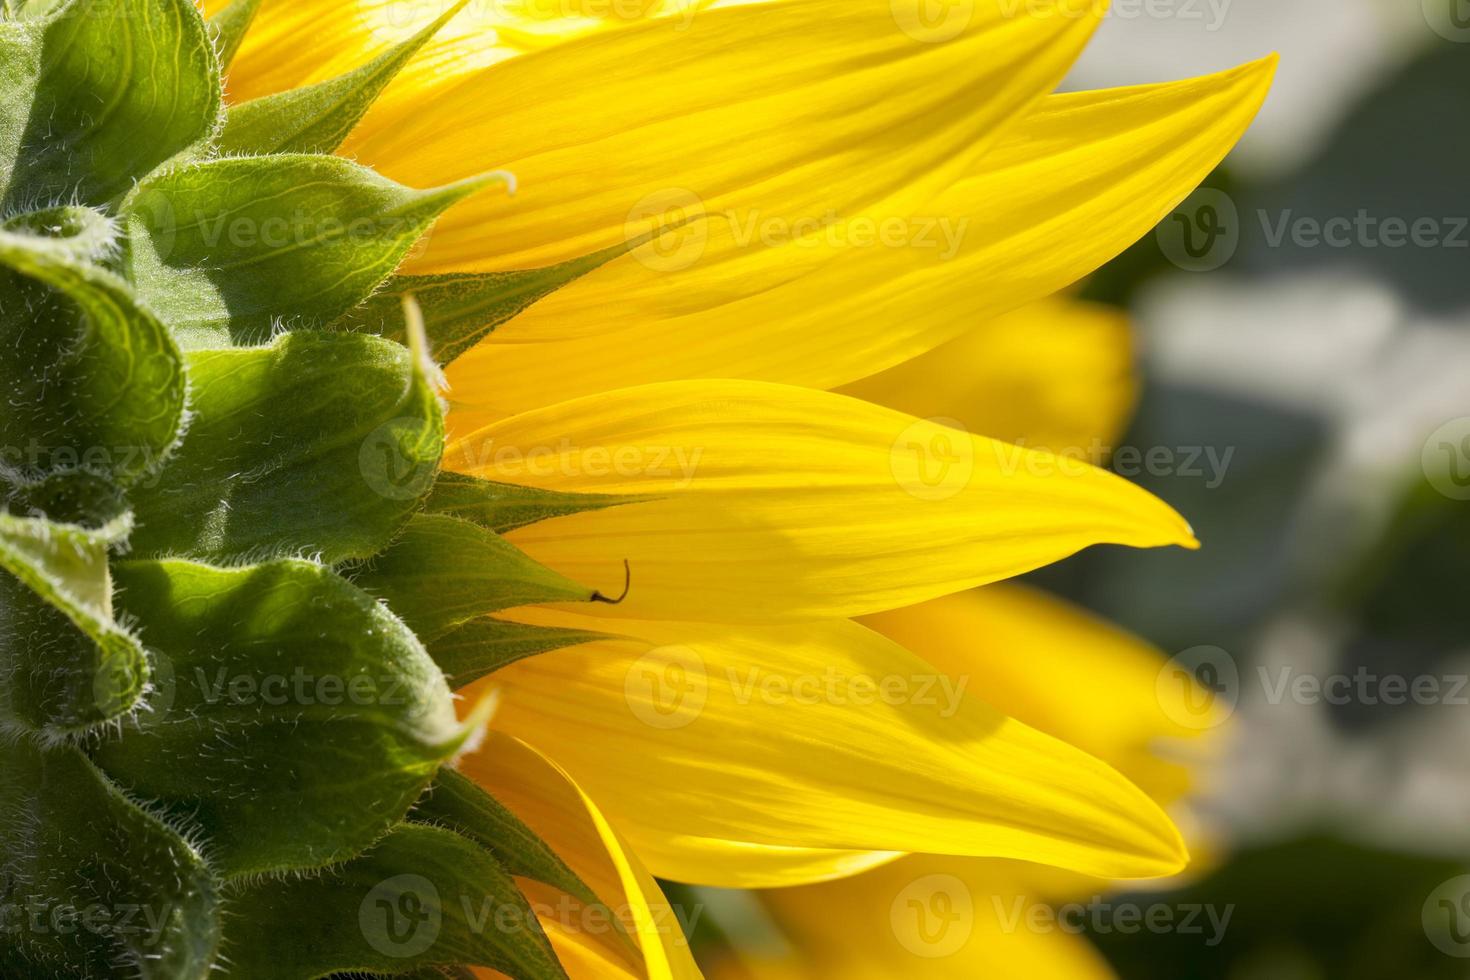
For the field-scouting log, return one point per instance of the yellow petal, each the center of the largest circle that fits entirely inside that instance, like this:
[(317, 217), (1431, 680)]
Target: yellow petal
[(1055, 375), (545, 797), (1061, 670), (708, 744), (778, 502), (792, 107), (1066, 189), (298, 42), (925, 918)]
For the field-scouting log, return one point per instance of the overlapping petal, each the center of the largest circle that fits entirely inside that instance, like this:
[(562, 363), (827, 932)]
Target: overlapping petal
[(299, 42), (710, 745), (1067, 673), (1056, 375), (1068, 187), (775, 502), (924, 918), (792, 107), (651, 944)]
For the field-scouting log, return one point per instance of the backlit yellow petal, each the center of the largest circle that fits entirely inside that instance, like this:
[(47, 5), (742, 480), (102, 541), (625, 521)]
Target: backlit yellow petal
[(1061, 670), (926, 918), (793, 108), (778, 502), (1066, 189), (1056, 375), (299, 42), (545, 797), (701, 740)]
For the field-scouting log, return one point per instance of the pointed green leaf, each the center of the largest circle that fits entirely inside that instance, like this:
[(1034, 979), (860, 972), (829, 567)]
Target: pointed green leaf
[(422, 897), (457, 803), (229, 27), (462, 309), (227, 250), (319, 444), (120, 86), (443, 572), (96, 886), (485, 645), (317, 118), (302, 720), (65, 663), (503, 507), (93, 380)]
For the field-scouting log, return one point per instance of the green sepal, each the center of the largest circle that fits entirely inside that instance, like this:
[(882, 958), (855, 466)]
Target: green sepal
[(93, 380), (443, 572), (31, 9), (229, 27), (317, 118), (115, 891), (503, 507), (65, 663), (68, 232), (20, 65), (482, 646), (228, 250), (462, 309), (456, 802), (119, 87), (320, 444), (68, 497), (427, 973), (301, 721), (421, 897)]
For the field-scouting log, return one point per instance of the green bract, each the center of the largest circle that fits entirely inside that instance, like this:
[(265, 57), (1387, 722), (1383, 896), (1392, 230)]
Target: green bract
[(236, 593)]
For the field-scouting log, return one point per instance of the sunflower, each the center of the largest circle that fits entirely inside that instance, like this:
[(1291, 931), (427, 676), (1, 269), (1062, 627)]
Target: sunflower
[(719, 298)]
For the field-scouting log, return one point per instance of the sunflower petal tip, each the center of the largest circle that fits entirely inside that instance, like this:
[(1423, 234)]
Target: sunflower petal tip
[(1262, 71), (1187, 539), (1168, 853), (477, 183), (476, 725)]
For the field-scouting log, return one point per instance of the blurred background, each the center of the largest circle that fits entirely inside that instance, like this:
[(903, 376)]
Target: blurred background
[(1305, 319), (1336, 363)]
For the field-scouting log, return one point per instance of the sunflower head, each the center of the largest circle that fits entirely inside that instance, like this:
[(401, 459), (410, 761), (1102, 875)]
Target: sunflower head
[(243, 583)]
